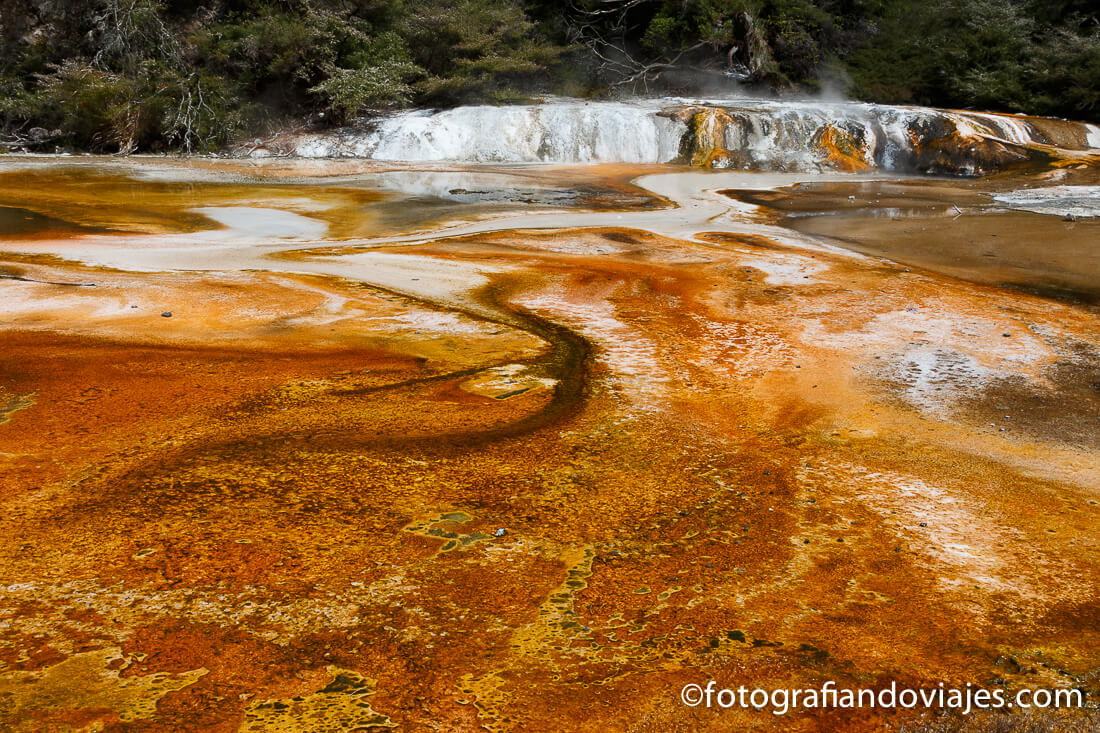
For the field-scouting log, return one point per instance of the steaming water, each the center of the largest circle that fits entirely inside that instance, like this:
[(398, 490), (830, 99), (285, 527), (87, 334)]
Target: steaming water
[(759, 134)]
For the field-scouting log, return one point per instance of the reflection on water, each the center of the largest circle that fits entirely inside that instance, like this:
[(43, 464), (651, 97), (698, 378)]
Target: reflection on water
[(22, 223), (960, 231)]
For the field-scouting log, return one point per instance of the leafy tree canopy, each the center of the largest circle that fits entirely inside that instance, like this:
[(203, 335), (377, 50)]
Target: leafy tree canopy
[(169, 74)]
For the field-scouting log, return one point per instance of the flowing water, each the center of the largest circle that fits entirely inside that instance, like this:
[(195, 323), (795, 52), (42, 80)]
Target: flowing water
[(749, 134), (510, 418)]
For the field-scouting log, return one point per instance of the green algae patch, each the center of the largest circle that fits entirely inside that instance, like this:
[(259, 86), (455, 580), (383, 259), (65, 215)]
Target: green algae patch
[(340, 705), (445, 527), (89, 686), (11, 404)]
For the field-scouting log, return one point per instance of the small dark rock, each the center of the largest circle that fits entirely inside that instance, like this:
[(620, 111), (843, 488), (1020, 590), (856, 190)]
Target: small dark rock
[(166, 314)]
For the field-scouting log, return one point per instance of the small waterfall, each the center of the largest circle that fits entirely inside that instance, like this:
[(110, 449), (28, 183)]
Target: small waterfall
[(1093, 136), (805, 136), (561, 132), (740, 134), (794, 136)]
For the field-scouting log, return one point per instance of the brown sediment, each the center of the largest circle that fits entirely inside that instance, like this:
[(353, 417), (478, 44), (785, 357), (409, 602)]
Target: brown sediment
[(973, 155), (1059, 133), (25, 224), (82, 197), (737, 459), (949, 228), (71, 199)]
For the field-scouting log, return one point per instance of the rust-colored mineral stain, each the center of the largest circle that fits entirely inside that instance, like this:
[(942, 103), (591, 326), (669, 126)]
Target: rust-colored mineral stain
[(842, 150), (605, 464)]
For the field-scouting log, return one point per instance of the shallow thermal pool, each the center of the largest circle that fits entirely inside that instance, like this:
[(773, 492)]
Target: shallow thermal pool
[(299, 444)]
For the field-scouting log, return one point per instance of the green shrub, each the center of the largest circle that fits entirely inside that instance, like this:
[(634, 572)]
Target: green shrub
[(474, 49), (157, 74), (98, 110), (349, 92)]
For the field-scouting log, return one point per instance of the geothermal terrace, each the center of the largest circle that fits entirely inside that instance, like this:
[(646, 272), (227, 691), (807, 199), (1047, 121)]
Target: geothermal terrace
[(522, 431)]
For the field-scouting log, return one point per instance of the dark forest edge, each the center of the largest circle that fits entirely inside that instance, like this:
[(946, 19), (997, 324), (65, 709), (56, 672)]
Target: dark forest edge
[(161, 75)]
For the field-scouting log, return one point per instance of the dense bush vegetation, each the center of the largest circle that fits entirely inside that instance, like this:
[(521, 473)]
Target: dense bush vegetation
[(158, 74)]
